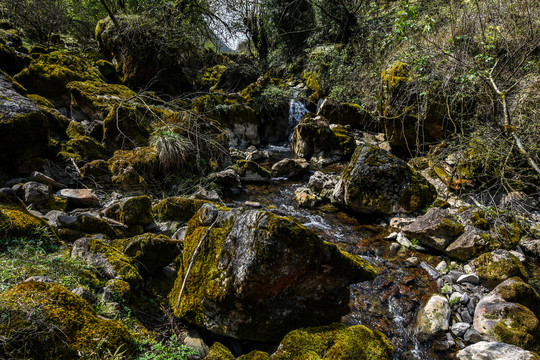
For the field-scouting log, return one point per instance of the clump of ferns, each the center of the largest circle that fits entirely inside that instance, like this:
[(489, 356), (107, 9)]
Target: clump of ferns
[(172, 147)]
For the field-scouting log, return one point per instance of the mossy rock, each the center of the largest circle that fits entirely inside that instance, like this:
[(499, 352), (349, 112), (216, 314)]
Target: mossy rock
[(496, 266), (49, 74), (349, 114), (86, 147), (56, 203), (96, 171), (95, 99), (17, 222), (518, 291), (132, 211), (211, 76), (24, 130), (336, 342), (259, 268), (375, 181), (235, 77), (40, 100), (250, 171), (10, 61), (132, 169), (218, 351), (177, 209), (128, 126), (149, 251), (110, 261), (46, 321), (255, 355)]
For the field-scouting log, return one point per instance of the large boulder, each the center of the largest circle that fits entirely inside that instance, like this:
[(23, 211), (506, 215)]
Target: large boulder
[(496, 266), (336, 342), (24, 129), (257, 275), (178, 208), (493, 350), (316, 140), (510, 314), (49, 74), (135, 210), (434, 316), (46, 321), (376, 181), (436, 229), (347, 114)]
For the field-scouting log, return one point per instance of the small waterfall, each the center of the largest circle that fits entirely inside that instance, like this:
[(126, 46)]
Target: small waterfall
[(297, 109)]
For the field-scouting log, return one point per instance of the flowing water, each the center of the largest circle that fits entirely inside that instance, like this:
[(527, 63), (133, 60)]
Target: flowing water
[(388, 303)]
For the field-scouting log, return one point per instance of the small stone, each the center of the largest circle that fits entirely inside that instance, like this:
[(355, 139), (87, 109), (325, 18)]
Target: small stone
[(36, 193), (392, 236), (80, 197), (468, 269), (459, 329), (42, 279), (253, 204), (194, 340), (442, 267), (472, 336), (413, 261), (471, 306), (180, 234), (44, 179), (403, 241), (519, 255), (469, 278), (450, 339), (429, 269), (455, 298), (465, 299), (454, 275), (466, 317)]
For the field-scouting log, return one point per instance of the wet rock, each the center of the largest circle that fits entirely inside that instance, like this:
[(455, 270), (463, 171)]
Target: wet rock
[(36, 193), (436, 229), (510, 313), (290, 168), (484, 350), (496, 266), (250, 171), (80, 197), (434, 316), (323, 185), (376, 181), (228, 179), (269, 274), (335, 342), (316, 141)]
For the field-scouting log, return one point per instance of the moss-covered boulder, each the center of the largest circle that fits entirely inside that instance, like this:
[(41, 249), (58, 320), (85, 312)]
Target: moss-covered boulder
[(133, 169), (149, 251), (17, 222), (496, 266), (314, 139), (131, 211), (250, 171), (510, 314), (409, 118), (218, 351), (94, 99), (49, 74), (255, 355), (24, 129), (110, 261), (46, 321), (336, 342), (433, 317), (257, 275), (127, 126), (83, 147), (10, 61), (347, 114), (472, 243), (179, 209), (375, 181), (165, 65), (233, 114)]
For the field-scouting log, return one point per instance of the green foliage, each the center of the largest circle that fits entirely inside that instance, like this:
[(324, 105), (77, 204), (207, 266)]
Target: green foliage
[(169, 350)]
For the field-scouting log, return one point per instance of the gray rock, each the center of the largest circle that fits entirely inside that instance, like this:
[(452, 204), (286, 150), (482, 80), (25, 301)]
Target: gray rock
[(80, 197), (466, 317), (459, 329), (290, 168), (442, 267), (44, 179), (436, 229), (465, 299), (403, 241), (84, 293), (194, 340), (413, 261), (36, 193), (228, 179), (472, 336), (323, 185), (454, 275), (469, 278), (531, 247), (392, 236), (471, 243), (375, 181), (484, 350), (43, 279), (429, 269)]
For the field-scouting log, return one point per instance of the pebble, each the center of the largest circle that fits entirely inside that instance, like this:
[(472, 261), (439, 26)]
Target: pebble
[(395, 247), (429, 269), (392, 236), (454, 275), (442, 267), (253, 204), (469, 278), (466, 317), (471, 306), (468, 269), (403, 241), (465, 299), (413, 261), (459, 329)]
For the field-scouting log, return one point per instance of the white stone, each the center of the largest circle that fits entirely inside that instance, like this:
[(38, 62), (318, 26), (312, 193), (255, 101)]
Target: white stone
[(442, 267), (460, 328), (484, 350), (469, 278), (434, 316)]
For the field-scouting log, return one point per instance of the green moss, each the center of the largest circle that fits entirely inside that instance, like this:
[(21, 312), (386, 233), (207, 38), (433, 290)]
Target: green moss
[(49, 74), (211, 76), (478, 220), (129, 125), (94, 97), (56, 203), (399, 72), (335, 342), (132, 168), (75, 130), (40, 100), (520, 327), (120, 289), (510, 233), (132, 211), (46, 321), (228, 110), (177, 209), (493, 272), (95, 225), (245, 167), (519, 292), (218, 351), (255, 355), (122, 264), (85, 147)]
